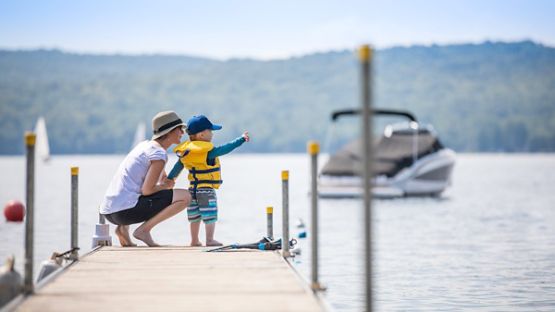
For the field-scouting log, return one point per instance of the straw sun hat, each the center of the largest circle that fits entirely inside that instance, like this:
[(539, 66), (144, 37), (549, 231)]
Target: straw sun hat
[(164, 122)]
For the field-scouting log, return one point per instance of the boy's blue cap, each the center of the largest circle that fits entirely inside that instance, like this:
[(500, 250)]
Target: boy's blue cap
[(199, 123)]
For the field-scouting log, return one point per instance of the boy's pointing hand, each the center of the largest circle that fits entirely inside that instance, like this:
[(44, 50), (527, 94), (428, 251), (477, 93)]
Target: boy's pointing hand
[(246, 136)]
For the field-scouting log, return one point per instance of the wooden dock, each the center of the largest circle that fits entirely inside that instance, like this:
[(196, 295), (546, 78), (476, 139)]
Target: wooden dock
[(175, 279)]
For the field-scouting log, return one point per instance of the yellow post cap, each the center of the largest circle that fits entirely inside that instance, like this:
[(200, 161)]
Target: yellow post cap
[(74, 171), (313, 147), (30, 138), (269, 210), (364, 53), (285, 175)]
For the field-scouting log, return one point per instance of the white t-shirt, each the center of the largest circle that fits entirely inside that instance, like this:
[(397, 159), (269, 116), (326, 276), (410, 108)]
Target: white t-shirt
[(125, 188)]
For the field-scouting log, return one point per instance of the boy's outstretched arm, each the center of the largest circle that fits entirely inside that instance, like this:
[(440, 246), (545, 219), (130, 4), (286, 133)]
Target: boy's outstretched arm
[(228, 147), (176, 170)]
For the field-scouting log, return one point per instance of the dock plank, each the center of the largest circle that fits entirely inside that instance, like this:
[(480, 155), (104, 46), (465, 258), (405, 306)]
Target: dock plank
[(175, 279)]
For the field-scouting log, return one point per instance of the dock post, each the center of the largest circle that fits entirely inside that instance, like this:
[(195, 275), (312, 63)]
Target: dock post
[(270, 222), (285, 213), (30, 139), (365, 55), (74, 212), (313, 149)]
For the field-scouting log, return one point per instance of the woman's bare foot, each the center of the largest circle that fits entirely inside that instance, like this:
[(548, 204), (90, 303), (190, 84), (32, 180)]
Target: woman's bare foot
[(122, 231), (145, 237), (196, 244), (213, 243)]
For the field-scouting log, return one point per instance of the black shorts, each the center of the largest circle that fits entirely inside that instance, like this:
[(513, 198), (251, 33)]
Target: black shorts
[(146, 208)]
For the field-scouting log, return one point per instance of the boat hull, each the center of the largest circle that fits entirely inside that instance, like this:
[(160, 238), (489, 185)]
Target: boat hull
[(428, 176)]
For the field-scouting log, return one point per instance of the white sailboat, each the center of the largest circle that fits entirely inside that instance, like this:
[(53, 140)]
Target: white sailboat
[(42, 148), (139, 134)]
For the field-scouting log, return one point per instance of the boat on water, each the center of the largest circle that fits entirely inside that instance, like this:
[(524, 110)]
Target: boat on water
[(409, 160), (42, 147)]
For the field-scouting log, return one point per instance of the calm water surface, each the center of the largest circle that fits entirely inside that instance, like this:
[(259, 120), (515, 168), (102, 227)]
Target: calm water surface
[(488, 244)]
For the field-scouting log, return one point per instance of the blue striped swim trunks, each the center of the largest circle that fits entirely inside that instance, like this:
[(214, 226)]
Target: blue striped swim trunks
[(204, 206)]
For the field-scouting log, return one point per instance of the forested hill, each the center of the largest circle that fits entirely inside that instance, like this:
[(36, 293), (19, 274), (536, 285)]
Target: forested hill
[(479, 97)]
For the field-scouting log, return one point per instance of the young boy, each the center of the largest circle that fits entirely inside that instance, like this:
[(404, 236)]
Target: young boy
[(200, 157)]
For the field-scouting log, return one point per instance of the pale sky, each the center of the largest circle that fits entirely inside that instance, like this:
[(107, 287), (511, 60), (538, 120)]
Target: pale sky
[(262, 29)]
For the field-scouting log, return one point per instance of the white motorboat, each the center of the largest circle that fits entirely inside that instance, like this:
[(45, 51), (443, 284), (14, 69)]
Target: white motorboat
[(409, 160)]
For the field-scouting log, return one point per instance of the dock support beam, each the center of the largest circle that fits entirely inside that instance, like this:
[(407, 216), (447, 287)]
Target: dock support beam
[(30, 139), (365, 55), (101, 236)]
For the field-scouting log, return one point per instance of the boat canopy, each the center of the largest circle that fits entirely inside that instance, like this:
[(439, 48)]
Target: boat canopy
[(398, 148)]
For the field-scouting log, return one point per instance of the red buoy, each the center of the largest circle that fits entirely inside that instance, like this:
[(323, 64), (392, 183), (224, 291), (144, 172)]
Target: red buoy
[(14, 211)]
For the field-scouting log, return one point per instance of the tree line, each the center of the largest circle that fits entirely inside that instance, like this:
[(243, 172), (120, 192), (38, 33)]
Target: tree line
[(488, 97)]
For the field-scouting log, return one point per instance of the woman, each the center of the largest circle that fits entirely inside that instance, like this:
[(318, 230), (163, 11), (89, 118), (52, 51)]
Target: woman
[(140, 190)]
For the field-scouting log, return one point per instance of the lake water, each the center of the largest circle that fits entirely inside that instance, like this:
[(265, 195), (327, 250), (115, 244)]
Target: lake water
[(488, 244)]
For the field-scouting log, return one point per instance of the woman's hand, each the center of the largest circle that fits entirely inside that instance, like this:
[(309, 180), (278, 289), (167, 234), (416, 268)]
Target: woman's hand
[(167, 184), (150, 185), (246, 136)]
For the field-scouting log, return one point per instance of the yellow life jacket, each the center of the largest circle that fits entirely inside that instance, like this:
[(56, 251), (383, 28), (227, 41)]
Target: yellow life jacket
[(194, 155)]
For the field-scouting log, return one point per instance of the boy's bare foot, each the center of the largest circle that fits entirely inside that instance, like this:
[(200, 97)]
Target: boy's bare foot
[(213, 243), (122, 231), (196, 244), (145, 237)]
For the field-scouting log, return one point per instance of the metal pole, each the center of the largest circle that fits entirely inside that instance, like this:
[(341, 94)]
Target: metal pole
[(74, 212), (270, 222), (313, 150), (30, 139), (285, 212), (365, 54)]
